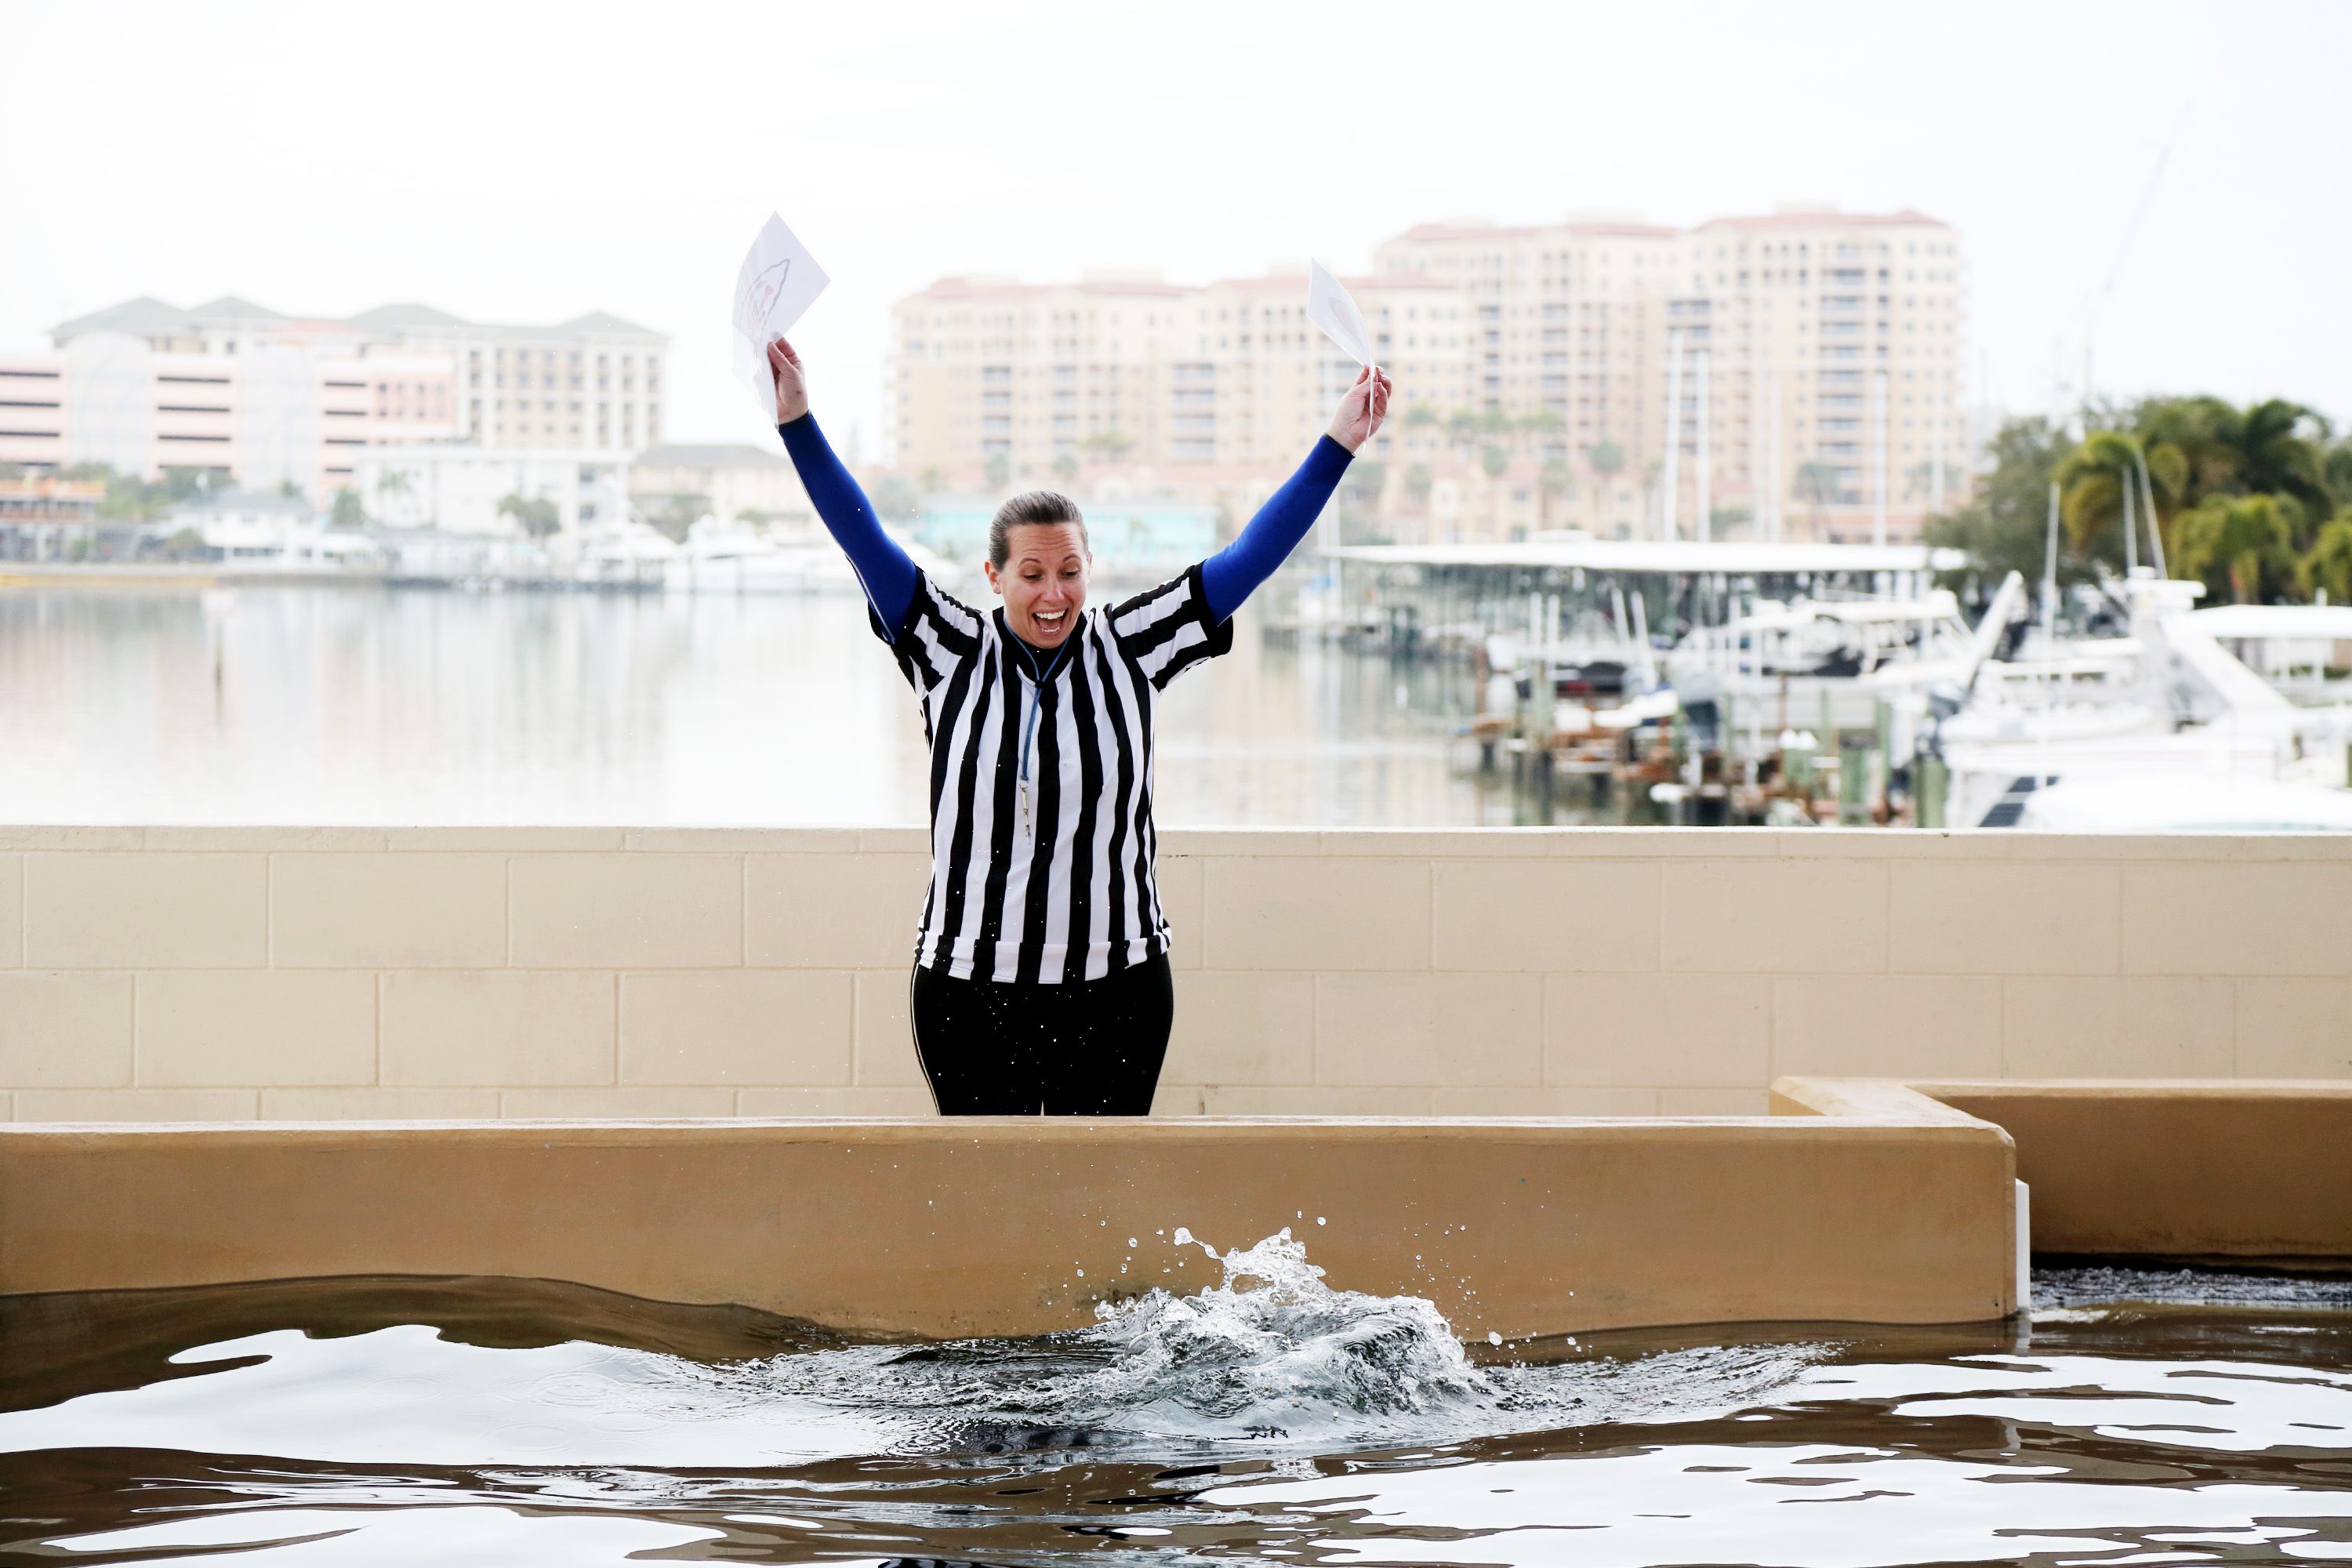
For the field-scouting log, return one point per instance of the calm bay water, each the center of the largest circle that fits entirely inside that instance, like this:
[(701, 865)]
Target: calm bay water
[(328, 704)]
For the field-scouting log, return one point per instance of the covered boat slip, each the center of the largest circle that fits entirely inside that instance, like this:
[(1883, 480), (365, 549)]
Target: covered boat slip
[(1865, 1201)]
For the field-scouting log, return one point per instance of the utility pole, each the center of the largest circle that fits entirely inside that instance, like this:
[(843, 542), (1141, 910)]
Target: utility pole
[(1878, 499), (1671, 478), (1943, 431), (1705, 521)]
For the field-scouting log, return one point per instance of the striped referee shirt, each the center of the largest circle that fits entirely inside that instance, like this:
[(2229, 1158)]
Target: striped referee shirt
[(1060, 888)]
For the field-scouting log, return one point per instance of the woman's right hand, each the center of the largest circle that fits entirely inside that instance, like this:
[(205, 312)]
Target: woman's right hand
[(791, 382)]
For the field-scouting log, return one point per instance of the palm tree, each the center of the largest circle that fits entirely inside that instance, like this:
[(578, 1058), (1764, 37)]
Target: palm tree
[(1418, 482), (2329, 568), (1605, 459), (393, 482), (1816, 483), (2241, 541), (2092, 484), (539, 517), (1558, 480), (1111, 445), (1066, 466), (1545, 424), (2279, 458)]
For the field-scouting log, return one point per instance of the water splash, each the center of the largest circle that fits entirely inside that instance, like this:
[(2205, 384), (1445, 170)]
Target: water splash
[(1269, 1355)]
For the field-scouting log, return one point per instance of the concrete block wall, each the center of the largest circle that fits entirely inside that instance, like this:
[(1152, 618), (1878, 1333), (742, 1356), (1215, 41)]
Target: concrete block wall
[(310, 974)]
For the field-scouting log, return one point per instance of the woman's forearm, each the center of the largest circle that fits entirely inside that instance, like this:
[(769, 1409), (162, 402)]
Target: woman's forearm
[(888, 572), (1234, 574)]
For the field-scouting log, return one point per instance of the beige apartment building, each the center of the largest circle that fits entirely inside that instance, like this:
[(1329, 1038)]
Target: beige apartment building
[(592, 382), (1132, 370), (145, 387), (264, 398), (1814, 358)]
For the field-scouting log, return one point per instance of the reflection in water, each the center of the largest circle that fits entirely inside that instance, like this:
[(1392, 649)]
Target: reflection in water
[(340, 704), (322, 1422)]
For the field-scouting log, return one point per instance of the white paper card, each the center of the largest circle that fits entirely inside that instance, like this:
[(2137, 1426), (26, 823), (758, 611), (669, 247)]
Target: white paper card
[(777, 283), (1330, 306)]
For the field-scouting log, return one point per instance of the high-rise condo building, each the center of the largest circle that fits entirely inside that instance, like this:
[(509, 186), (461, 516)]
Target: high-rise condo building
[(988, 371), (1814, 358), (1802, 368)]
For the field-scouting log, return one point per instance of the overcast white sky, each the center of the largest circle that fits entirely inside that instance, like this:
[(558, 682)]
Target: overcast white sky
[(527, 162)]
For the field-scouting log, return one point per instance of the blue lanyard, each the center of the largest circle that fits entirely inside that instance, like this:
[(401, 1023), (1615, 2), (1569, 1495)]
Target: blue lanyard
[(1029, 729)]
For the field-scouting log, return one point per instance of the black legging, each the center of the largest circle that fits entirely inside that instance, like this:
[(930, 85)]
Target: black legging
[(993, 1047)]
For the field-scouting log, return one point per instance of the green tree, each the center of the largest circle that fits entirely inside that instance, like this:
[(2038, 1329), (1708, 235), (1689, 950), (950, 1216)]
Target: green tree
[(1463, 428), (2243, 542), (1108, 446), (1418, 482), (1420, 416), (1816, 483), (347, 512), (2004, 527), (539, 518), (2329, 568), (1556, 482), (1366, 479), (999, 468), (187, 544), (181, 483), (12, 470), (933, 480), (1066, 465), (2093, 481), (1606, 459), (2283, 453), (392, 484), (2337, 467), (1495, 460)]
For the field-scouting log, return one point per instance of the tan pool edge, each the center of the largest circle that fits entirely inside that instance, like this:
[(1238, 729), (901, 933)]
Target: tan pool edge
[(949, 1228)]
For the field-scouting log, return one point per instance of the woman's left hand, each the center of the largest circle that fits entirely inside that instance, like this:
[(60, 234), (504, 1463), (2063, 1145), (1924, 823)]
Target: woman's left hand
[(1362, 410)]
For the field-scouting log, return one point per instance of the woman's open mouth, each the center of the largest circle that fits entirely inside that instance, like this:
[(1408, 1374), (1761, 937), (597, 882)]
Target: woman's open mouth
[(1049, 621)]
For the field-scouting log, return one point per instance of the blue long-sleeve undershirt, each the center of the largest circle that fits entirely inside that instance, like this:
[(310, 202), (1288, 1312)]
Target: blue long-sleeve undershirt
[(887, 572), (1234, 574)]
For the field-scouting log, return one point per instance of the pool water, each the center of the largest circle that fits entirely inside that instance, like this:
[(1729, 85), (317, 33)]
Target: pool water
[(2156, 1416)]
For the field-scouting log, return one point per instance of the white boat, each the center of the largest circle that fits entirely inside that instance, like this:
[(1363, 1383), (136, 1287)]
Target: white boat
[(2292, 647), (737, 558), (627, 554), (2168, 709), (2195, 803), (1793, 663)]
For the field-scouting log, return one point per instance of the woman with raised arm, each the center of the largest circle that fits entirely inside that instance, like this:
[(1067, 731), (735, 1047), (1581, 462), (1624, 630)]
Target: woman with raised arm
[(1040, 982)]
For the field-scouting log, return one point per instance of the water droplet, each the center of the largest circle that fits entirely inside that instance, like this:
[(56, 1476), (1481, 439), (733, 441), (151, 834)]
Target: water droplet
[(1319, 1219), (1492, 1338), (1130, 1241)]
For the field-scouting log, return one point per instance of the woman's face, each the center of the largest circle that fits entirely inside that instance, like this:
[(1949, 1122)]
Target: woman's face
[(1044, 579)]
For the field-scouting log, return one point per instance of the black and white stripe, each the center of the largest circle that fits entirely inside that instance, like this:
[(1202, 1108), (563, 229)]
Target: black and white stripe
[(1065, 893)]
